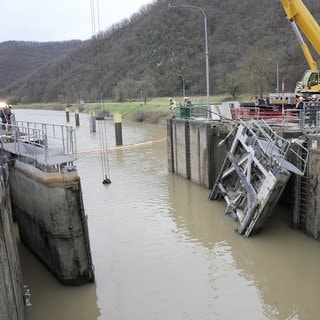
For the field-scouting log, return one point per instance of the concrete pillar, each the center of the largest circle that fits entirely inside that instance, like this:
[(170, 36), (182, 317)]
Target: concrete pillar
[(77, 119), (118, 128), (67, 115), (92, 119)]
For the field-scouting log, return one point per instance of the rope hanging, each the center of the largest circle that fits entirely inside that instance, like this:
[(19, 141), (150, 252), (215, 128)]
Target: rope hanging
[(96, 64)]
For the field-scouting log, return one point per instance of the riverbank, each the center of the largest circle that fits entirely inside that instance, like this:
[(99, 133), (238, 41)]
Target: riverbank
[(150, 111)]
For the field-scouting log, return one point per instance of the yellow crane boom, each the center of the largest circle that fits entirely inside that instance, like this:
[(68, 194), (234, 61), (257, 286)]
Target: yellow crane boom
[(301, 19), (298, 13)]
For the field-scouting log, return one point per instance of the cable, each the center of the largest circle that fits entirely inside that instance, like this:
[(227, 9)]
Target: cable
[(96, 64)]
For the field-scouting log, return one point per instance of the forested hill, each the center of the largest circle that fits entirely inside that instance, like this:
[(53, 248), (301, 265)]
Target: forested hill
[(19, 59), (159, 48)]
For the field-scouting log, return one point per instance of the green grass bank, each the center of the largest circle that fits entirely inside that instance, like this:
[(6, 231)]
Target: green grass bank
[(151, 111)]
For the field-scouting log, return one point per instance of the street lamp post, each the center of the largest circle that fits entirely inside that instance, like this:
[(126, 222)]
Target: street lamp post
[(277, 76), (277, 70), (183, 85), (206, 43)]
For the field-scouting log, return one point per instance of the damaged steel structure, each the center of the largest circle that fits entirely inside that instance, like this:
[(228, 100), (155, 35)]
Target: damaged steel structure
[(257, 167)]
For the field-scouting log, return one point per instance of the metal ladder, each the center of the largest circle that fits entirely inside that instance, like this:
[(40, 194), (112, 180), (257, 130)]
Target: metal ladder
[(302, 187), (188, 157)]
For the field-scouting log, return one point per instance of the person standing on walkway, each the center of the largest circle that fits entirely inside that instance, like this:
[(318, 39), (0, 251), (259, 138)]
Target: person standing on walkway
[(300, 103), (5, 114), (187, 102), (172, 107), (313, 107), (300, 109)]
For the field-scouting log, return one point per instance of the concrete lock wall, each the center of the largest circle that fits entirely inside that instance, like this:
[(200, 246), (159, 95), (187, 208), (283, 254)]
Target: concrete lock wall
[(11, 289), (179, 147), (49, 211), (199, 154), (313, 192), (305, 192), (193, 150)]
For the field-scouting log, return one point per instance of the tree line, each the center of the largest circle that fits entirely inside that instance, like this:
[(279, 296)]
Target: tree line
[(160, 51)]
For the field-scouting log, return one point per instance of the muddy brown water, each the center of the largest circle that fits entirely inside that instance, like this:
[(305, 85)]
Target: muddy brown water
[(163, 251)]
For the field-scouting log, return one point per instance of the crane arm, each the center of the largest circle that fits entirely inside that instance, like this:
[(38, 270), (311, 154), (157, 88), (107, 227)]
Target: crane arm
[(299, 16), (305, 49)]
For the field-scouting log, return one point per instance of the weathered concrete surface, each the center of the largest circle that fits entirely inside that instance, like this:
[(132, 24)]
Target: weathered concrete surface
[(49, 211), (306, 213), (170, 145), (179, 151), (198, 154), (313, 206), (193, 150), (11, 288)]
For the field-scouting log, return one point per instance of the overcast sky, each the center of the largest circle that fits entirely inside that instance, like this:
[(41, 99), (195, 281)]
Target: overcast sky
[(58, 20)]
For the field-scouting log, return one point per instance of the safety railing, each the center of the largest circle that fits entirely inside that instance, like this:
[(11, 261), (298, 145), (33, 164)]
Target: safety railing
[(290, 154), (195, 111), (265, 114), (288, 118), (42, 141)]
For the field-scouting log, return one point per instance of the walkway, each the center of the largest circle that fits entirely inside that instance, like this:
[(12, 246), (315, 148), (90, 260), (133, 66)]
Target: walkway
[(48, 147)]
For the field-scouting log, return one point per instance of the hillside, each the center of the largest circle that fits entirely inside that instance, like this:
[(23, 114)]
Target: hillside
[(159, 48), (20, 58)]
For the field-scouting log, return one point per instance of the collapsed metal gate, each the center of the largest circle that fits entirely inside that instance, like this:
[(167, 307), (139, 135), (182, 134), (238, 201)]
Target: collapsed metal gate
[(255, 172)]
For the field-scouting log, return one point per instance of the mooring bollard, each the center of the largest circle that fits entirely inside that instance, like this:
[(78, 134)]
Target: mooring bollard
[(118, 128), (67, 115), (77, 117), (92, 121)]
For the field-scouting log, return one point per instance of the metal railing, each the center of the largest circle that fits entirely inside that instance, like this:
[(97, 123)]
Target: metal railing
[(288, 118), (287, 153), (195, 111), (304, 120), (41, 141)]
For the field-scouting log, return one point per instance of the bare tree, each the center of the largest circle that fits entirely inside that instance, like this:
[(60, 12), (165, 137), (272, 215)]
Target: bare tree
[(256, 72)]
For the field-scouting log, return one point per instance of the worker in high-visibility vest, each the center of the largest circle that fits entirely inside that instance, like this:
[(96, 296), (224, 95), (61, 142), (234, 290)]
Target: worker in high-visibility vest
[(172, 106)]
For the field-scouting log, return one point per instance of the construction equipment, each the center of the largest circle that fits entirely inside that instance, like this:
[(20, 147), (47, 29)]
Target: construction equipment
[(301, 19), (255, 172)]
